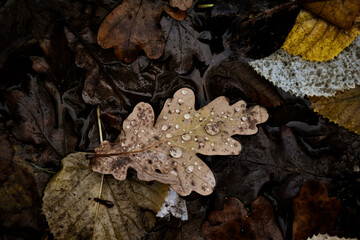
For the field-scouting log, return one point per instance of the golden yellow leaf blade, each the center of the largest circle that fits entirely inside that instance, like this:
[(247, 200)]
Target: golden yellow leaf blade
[(315, 39), (343, 108)]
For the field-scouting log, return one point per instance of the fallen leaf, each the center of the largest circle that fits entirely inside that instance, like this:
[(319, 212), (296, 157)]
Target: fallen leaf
[(173, 205), (311, 208), (7, 155), (125, 211), (181, 4), (235, 222), (241, 80), (327, 237), (167, 151), (315, 39), (341, 13), (183, 42), (133, 26), (342, 109), (301, 77)]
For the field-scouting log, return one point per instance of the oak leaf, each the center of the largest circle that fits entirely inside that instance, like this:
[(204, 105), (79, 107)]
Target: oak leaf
[(166, 151), (181, 4), (342, 109), (315, 39), (134, 26), (311, 207), (73, 210), (234, 222)]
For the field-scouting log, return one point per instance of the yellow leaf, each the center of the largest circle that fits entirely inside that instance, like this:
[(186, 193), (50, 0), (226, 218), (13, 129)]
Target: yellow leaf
[(315, 39), (343, 108)]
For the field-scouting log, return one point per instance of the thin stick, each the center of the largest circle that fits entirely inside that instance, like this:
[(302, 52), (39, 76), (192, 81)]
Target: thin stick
[(102, 176)]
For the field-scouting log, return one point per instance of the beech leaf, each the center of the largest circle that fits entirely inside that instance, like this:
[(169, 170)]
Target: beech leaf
[(126, 210), (134, 26), (166, 151)]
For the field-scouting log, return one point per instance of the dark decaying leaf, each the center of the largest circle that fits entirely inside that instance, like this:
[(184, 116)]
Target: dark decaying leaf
[(166, 151), (134, 26), (236, 222), (241, 80), (315, 212), (183, 42)]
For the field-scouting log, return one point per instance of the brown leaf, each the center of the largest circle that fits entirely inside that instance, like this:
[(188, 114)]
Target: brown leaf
[(235, 222), (134, 26), (341, 13), (315, 212), (181, 4), (167, 151)]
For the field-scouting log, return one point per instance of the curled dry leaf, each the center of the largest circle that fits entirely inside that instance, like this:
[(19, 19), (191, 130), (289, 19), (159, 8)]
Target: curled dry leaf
[(181, 4), (134, 26), (327, 237), (342, 109), (311, 207), (126, 210), (167, 151), (315, 39), (234, 222)]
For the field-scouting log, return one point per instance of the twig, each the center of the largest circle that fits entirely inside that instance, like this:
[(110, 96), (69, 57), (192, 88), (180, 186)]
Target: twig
[(102, 175)]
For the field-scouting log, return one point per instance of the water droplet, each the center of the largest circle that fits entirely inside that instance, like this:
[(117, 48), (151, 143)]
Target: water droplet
[(174, 173), (169, 143), (192, 148), (212, 128), (182, 141), (190, 168), (165, 117), (243, 118), (186, 137), (127, 126), (177, 110), (196, 163), (122, 144), (212, 144), (197, 114), (180, 101), (184, 92), (177, 126), (195, 139), (136, 131), (201, 144), (231, 119), (212, 113), (228, 139), (176, 152), (237, 109), (187, 116), (133, 123), (206, 139), (142, 130), (168, 135), (199, 167), (164, 127), (222, 113)]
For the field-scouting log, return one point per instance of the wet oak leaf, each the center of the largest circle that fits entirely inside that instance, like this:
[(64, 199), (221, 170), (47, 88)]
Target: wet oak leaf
[(311, 207), (125, 211), (181, 4), (235, 222), (183, 43), (343, 108), (134, 26), (315, 39), (166, 151)]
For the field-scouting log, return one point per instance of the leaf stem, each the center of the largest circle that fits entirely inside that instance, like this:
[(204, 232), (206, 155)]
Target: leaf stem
[(102, 175)]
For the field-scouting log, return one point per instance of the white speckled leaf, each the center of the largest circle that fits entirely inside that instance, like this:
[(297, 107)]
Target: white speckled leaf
[(327, 237), (70, 207), (301, 77), (167, 151)]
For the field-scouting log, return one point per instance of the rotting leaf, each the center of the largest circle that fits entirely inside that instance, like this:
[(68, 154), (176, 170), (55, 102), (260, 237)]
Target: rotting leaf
[(181, 4), (235, 222), (343, 108), (183, 42), (315, 39), (134, 26), (311, 207), (70, 207), (167, 151), (327, 237), (301, 77)]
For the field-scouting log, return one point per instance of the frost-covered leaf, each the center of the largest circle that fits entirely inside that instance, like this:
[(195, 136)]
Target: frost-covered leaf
[(343, 108), (134, 26), (235, 221), (315, 39), (327, 237), (311, 207), (183, 42), (301, 77), (166, 151), (125, 211)]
